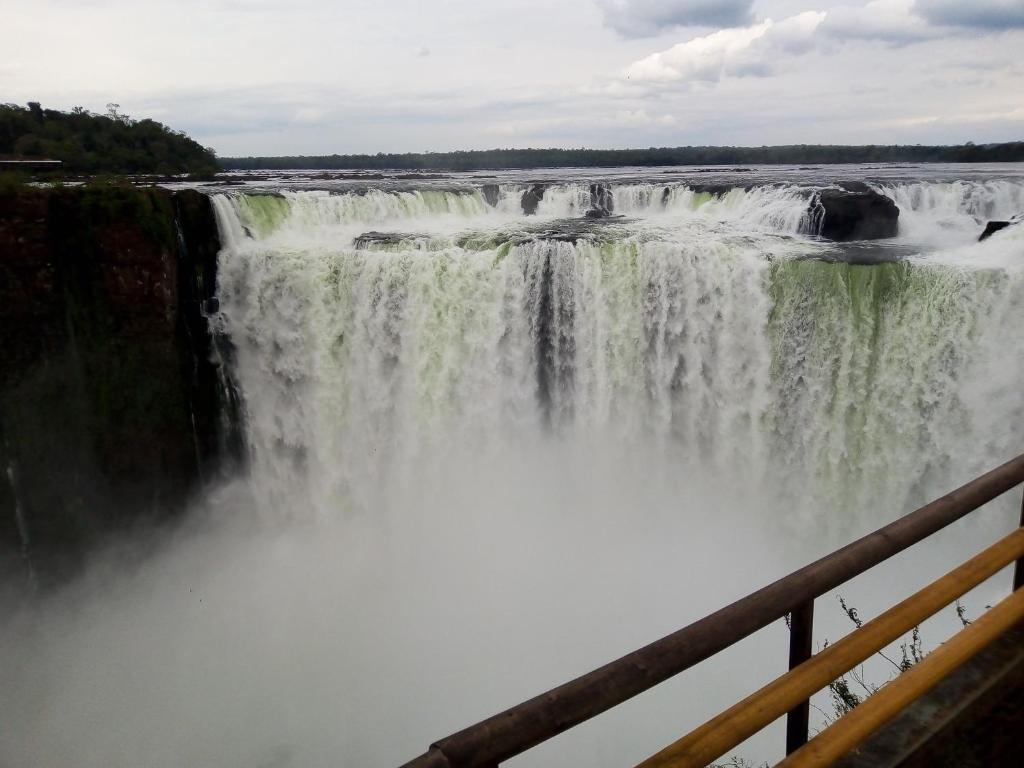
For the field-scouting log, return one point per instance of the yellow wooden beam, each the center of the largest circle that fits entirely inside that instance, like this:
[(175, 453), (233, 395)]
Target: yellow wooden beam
[(875, 711), (739, 722)]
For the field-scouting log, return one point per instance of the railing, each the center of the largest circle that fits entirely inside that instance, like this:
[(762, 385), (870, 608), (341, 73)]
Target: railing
[(526, 725)]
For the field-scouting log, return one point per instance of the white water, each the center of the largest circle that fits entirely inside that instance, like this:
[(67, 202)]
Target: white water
[(484, 460), (853, 384)]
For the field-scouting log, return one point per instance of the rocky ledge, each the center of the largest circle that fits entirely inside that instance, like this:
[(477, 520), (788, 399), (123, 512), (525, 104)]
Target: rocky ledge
[(855, 212), (998, 226), (111, 407)]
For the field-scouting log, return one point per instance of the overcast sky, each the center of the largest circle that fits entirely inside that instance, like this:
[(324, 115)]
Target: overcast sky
[(322, 76)]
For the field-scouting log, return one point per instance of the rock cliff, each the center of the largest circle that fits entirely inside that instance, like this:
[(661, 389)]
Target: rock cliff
[(111, 405)]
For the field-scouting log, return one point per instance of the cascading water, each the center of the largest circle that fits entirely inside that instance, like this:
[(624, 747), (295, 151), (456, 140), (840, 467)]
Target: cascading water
[(699, 321), (948, 214)]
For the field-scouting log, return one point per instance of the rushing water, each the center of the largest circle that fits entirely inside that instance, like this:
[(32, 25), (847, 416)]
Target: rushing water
[(490, 451), (706, 323)]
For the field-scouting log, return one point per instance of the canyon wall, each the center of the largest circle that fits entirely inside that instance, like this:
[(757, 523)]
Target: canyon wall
[(112, 409)]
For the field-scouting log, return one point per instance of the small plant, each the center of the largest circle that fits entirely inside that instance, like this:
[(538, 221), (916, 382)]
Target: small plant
[(12, 182), (738, 762), (844, 700), (961, 613)]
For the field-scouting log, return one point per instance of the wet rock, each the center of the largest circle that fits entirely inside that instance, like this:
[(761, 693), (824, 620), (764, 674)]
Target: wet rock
[(531, 199), (374, 238), (111, 405), (855, 186), (602, 203), (492, 194), (844, 215), (992, 227)]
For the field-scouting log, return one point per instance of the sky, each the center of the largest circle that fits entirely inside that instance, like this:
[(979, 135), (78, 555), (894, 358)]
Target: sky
[(281, 77)]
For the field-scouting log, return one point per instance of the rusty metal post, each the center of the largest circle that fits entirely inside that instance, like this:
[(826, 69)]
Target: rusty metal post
[(801, 626), (1018, 569)]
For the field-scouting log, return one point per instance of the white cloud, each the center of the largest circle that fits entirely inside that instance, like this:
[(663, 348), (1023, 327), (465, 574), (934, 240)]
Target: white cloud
[(890, 21), (1009, 115), (626, 117), (641, 18), (902, 22), (981, 14), (743, 51), (309, 115)]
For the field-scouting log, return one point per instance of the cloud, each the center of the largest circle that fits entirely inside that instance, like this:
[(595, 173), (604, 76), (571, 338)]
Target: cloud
[(890, 21), (901, 22), (739, 52), (642, 18), (309, 115), (979, 14), (628, 117)]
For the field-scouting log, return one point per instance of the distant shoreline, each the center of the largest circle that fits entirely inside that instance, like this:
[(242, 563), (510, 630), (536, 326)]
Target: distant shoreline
[(523, 159)]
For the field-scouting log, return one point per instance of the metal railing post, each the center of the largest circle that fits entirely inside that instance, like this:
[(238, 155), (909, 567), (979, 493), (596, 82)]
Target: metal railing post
[(1018, 569), (801, 626)]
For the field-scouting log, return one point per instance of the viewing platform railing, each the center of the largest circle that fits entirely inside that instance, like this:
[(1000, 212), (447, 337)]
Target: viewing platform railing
[(532, 722)]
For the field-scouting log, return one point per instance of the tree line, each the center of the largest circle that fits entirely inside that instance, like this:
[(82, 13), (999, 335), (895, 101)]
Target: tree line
[(500, 159), (114, 143), (91, 143)]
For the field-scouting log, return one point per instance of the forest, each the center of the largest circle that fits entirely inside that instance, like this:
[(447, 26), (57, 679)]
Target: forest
[(498, 159), (89, 143), (114, 143)]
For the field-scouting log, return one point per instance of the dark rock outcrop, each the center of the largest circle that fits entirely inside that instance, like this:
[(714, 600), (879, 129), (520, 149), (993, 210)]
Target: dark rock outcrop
[(843, 215), (992, 227), (492, 194), (531, 199), (111, 406), (602, 204), (854, 186), (376, 239)]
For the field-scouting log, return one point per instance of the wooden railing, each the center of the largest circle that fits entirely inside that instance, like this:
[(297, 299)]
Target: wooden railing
[(526, 725)]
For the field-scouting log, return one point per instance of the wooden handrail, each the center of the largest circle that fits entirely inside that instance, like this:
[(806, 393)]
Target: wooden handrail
[(743, 720), (878, 709), (532, 722)]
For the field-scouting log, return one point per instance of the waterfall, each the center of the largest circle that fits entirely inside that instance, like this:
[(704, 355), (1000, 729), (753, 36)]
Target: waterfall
[(700, 322), (953, 213)]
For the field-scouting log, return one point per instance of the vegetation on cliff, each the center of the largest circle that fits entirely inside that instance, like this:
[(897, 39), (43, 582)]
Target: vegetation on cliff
[(90, 143), (496, 159)]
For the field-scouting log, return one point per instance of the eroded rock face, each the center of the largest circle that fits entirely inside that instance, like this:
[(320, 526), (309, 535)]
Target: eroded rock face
[(492, 194), (861, 214), (110, 404), (531, 199), (602, 204), (997, 226)]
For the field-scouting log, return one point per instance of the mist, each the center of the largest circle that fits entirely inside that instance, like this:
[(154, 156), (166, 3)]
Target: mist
[(475, 584)]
